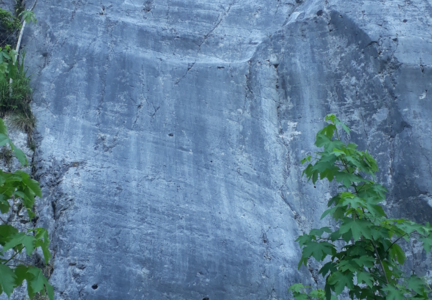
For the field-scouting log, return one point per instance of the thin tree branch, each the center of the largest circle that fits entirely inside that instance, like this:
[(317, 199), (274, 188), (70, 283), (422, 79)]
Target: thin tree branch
[(395, 242), (379, 258), (13, 256), (34, 5)]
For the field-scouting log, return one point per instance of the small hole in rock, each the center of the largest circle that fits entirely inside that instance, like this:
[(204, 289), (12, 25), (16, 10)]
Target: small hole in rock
[(319, 13), (405, 20), (171, 134), (206, 298), (94, 286)]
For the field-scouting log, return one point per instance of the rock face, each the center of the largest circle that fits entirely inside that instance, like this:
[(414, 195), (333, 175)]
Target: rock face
[(170, 132)]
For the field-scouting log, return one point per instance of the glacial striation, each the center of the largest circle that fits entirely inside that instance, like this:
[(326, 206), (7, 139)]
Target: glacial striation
[(170, 132)]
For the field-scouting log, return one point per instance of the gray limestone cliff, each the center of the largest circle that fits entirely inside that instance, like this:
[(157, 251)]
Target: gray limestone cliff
[(169, 135)]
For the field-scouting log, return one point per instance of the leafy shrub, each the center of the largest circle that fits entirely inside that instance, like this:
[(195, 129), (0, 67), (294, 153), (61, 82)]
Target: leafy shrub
[(362, 254), (9, 26), (15, 91), (8, 21), (19, 187)]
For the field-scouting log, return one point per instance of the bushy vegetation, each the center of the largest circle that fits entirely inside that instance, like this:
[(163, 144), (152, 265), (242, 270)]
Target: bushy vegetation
[(20, 190), (15, 90), (17, 189), (361, 254)]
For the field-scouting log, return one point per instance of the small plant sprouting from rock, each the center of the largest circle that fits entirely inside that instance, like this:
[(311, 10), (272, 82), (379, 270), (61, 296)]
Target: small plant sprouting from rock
[(362, 253), (23, 122)]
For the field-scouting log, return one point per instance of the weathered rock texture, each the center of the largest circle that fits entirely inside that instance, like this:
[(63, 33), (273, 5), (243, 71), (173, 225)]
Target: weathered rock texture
[(170, 132)]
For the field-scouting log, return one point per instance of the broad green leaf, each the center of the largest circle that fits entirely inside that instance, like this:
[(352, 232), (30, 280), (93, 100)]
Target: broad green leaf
[(314, 177), (320, 294), (335, 235), (34, 186), (340, 281), (19, 154), (4, 204), (427, 243), (397, 252), (328, 131), (375, 210), (344, 127), (393, 293), (348, 265), (326, 163), (301, 296), (339, 213), (304, 239), (319, 232), (332, 118), (50, 290), (352, 145), (328, 211), (21, 238), (37, 283), (329, 173), (347, 178), (365, 277), (365, 261), (318, 250), (357, 227), (321, 140), (4, 140), (7, 279), (7, 232), (353, 201), (306, 159), (20, 194), (380, 233), (297, 287), (328, 267), (42, 240), (21, 274), (308, 171), (416, 284), (303, 261)]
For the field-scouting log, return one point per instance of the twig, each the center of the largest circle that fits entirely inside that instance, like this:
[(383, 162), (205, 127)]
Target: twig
[(13, 256), (379, 258), (23, 262), (395, 242)]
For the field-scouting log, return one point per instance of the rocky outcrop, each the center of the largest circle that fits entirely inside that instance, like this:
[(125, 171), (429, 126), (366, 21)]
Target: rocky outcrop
[(169, 135)]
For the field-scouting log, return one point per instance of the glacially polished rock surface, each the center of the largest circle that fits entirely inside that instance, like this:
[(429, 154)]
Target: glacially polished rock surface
[(169, 135)]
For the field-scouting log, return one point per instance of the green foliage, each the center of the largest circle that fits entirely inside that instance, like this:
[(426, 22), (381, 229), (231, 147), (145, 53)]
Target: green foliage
[(362, 254), (300, 293), (28, 16), (8, 21), (15, 91), (19, 187)]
